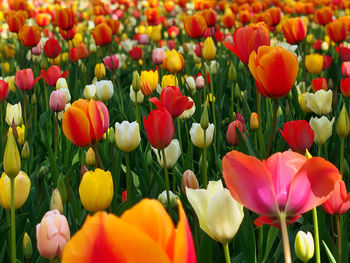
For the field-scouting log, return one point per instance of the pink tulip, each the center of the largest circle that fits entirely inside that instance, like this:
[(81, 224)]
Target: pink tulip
[(158, 55), (339, 202), (24, 79), (37, 49), (111, 62), (199, 82), (58, 100), (143, 39), (52, 234), (345, 69), (231, 134), (286, 183)]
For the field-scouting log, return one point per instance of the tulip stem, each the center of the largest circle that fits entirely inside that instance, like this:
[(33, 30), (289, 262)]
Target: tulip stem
[(120, 93), (227, 253), (167, 184), (303, 62), (56, 134), (205, 172), (212, 104), (319, 150), (25, 114), (2, 126), (341, 165), (285, 239), (232, 98), (317, 238), (13, 222), (273, 128), (338, 237), (129, 191), (98, 158), (46, 97), (261, 138), (180, 140)]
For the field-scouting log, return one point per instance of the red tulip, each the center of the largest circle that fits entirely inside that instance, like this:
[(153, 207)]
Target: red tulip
[(294, 30), (319, 83), (209, 16), (172, 100), (327, 60), (74, 54), (286, 182), (29, 35), (111, 62), (275, 13), (344, 53), (53, 74), (136, 53), (52, 48), (195, 26), (64, 18), (102, 34), (159, 128), (323, 15), (68, 35), (231, 134), (345, 87), (24, 79), (15, 20), (298, 134), (337, 31), (248, 39), (4, 90), (339, 202)]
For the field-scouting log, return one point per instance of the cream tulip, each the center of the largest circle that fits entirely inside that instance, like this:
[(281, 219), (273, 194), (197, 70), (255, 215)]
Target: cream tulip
[(197, 135), (320, 102), (322, 128), (304, 246), (127, 135), (14, 113), (190, 83), (104, 89), (172, 154), (61, 84), (139, 96), (89, 91), (219, 214)]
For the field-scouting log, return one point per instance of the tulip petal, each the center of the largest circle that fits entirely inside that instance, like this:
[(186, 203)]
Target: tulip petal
[(311, 186), (250, 183), (274, 221), (156, 102), (95, 115)]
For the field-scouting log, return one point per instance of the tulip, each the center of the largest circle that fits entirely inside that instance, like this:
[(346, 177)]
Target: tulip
[(200, 82), (139, 96), (85, 122), (22, 189), (16, 20), (319, 83), (111, 62), (339, 201), (345, 69), (12, 161), (24, 79), (323, 15), (27, 247), (322, 128), (304, 246), (294, 30), (136, 53), (64, 18), (158, 56), (254, 121), (345, 87), (320, 102), (337, 31), (231, 135), (219, 215), (188, 113), (298, 134), (245, 174), (248, 39), (343, 123), (89, 91), (102, 34), (174, 61), (90, 157), (195, 26), (163, 198), (197, 135), (37, 49), (58, 100), (228, 19), (209, 49), (146, 234), (25, 153), (172, 154), (56, 201), (189, 180), (149, 81), (52, 234), (4, 91), (314, 63), (275, 70), (159, 136), (96, 190), (14, 114), (53, 74), (127, 135), (29, 35), (104, 89), (209, 16), (61, 83), (190, 83), (20, 133), (169, 80), (100, 70)]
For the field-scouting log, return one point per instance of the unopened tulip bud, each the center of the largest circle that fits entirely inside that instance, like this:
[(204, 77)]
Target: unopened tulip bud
[(162, 197), (62, 188), (33, 99), (343, 125), (43, 171), (25, 151), (56, 201), (232, 74), (100, 70), (90, 157), (279, 112), (200, 82), (136, 82), (111, 135), (237, 91), (304, 246), (189, 180), (209, 49), (254, 121), (27, 247), (205, 119), (12, 160)]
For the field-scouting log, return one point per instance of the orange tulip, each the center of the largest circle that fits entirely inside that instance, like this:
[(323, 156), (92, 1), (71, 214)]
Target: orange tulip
[(275, 14), (42, 19), (195, 26), (145, 233), (85, 122), (102, 34), (16, 20), (113, 24), (323, 15), (262, 17), (30, 35), (64, 18), (294, 30), (153, 16), (336, 30), (209, 16), (274, 69)]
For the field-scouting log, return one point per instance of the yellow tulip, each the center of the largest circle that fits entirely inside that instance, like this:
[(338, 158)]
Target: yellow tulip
[(96, 190), (209, 49), (314, 63), (173, 61), (100, 70), (22, 188), (302, 99), (304, 246), (20, 132), (12, 160), (169, 80), (149, 81), (77, 39)]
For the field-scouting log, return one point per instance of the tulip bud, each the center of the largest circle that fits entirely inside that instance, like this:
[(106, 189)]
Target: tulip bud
[(136, 82), (33, 99), (254, 121), (343, 126), (56, 201), (205, 119), (189, 180), (279, 112), (304, 246), (162, 197), (62, 188), (237, 91), (100, 70), (25, 151), (209, 49), (43, 171), (12, 160), (200, 82), (111, 135), (27, 247), (90, 157), (232, 74)]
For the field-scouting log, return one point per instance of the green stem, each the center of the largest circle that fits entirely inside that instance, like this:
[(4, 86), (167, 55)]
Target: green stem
[(137, 109), (213, 105), (261, 243), (129, 190), (285, 239), (13, 222), (317, 238), (167, 184), (273, 128), (46, 97), (338, 237), (180, 140), (341, 166), (227, 253), (98, 158), (56, 134), (303, 62), (25, 114), (261, 138), (232, 98), (120, 92), (319, 150), (2, 127), (205, 172)]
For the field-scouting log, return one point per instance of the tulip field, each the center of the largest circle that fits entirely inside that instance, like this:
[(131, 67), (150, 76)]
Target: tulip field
[(174, 131)]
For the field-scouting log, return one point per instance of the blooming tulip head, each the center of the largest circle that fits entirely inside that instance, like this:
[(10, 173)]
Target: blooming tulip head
[(52, 74), (4, 90), (85, 122), (195, 26), (14, 114), (275, 70), (24, 79), (15, 20), (127, 135), (52, 48), (339, 201), (172, 154), (314, 63), (337, 31), (323, 15), (345, 87), (96, 190), (320, 102), (322, 128), (158, 56), (209, 49), (174, 61), (58, 100), (52, 234), (218, 213), (345, 69), (319, 83), (29, 35), (197, 135), (64, 18), (286, 182), (104, 89), (149, 81), (294, 30), (102, 34), (111, 62), (231, 134)]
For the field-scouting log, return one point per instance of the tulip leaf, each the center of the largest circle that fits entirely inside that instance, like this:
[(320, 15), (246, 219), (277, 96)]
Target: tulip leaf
[(3, 250), (76, 158), (329, 253), (246, 237), (271, 237), (205, 252)]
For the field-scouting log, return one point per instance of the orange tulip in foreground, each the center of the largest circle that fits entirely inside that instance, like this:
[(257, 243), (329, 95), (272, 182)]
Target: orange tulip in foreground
[(274, 69), (144, 233), (85, 122), (195, 26), (102, 34), (30, 35), (294, 30)]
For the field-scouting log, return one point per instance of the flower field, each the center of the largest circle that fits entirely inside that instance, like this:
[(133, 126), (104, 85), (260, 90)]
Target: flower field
[(174, 131)]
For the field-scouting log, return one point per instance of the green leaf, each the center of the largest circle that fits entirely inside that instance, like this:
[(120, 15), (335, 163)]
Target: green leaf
[(271, 237), (329, 253)]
